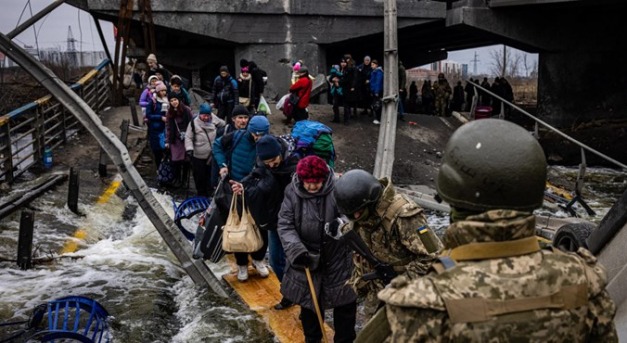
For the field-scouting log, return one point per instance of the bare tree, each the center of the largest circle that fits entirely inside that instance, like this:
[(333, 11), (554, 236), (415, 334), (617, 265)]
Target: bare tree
[(504, 62)]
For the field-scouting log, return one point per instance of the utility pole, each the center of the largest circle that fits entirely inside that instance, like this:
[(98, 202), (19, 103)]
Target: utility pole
[(504, 68), (474, 61), (71, 48), (384, 160)]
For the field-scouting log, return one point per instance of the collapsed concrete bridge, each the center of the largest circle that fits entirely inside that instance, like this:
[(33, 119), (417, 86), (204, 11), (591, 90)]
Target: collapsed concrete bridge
[(581, 75)]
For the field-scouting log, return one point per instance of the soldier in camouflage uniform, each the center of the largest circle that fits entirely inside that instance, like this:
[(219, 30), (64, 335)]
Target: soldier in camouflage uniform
[(392, 226), (443, 92), (493, 282)]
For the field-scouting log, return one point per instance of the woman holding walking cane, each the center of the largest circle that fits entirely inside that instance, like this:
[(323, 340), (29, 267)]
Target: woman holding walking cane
[(307, 208)]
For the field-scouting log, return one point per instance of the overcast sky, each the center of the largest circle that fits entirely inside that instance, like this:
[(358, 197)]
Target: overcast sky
[(52, 32)]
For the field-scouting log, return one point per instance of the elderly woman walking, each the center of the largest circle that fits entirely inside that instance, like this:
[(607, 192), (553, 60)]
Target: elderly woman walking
[(307, 207)]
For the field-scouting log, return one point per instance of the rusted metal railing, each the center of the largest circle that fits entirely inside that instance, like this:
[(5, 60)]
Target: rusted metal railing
[(27, 131)]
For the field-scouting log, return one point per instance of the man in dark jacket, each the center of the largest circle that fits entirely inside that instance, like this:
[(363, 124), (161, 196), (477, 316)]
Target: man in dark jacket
[(265, 187), (236, 155), (225, 93)]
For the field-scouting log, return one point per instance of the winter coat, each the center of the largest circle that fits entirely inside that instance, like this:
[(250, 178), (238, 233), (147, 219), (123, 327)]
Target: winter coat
[(183, 96), (245, 86), (236, 150), (301, 228), (349, 84), (257, 75), (154, 114), (376, 81), (176, 126), (200, 136), (302, 87), (146, 97), (225, 90), (265, 188)]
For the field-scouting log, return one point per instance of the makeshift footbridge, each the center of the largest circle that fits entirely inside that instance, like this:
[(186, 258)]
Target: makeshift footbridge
[(115, 149)]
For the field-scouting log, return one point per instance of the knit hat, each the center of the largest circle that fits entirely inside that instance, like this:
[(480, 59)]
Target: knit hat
[(259, 125), (205, 108), (176, 80), (268, 147), (244, 69), (296, 66), (224, 68), (161, 87), (152, 77), (151, 58), (240, 110), (312, 169)]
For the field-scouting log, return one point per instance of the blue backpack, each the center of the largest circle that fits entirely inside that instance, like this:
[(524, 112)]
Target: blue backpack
[(313, 138)]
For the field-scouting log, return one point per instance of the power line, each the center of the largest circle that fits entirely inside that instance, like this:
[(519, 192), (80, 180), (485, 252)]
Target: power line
[(30, 8)]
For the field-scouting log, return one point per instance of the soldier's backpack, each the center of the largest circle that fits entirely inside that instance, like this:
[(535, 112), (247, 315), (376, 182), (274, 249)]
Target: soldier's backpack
[(314, 138)]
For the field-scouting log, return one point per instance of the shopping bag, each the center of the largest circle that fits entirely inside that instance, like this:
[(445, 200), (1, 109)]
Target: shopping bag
[(279, 105), (241, 234), (263, 106)]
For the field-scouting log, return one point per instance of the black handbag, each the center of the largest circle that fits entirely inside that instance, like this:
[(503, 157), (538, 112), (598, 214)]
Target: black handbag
[(294, 99)]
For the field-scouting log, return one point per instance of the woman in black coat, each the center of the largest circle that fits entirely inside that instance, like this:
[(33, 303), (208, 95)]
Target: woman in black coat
[(307, 207)]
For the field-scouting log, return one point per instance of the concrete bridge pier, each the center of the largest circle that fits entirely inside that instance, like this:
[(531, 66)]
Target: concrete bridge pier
[(277, 59), (582, 86)]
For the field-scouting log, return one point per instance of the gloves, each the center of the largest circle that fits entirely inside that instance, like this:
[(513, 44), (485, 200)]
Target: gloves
[(385, 272), (332, 229), (189, 153), (302, 260)]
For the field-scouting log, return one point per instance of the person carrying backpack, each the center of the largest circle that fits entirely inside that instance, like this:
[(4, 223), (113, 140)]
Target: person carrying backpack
[(200, 135), (225, 93), (236, 157)]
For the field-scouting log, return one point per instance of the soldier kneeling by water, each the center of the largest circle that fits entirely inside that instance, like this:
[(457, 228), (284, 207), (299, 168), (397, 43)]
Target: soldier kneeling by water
[(393, 228), (493, 281)]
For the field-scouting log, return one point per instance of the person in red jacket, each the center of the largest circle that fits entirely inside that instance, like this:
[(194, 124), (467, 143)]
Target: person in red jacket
[(302, 90)]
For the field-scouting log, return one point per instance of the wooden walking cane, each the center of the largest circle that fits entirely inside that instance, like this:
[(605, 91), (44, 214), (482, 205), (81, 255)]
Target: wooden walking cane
[(315, 302)]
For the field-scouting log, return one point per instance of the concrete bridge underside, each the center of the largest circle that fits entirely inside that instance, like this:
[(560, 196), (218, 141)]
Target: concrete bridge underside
[(582, 73)]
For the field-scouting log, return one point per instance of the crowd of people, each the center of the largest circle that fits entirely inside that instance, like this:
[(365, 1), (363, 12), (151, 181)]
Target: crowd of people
[(487, 278)]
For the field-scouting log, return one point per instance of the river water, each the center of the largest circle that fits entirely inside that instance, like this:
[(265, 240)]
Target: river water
[(125, 265)]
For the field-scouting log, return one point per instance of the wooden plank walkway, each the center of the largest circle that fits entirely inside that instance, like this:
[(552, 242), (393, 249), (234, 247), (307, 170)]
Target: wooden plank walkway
[(261, 294)]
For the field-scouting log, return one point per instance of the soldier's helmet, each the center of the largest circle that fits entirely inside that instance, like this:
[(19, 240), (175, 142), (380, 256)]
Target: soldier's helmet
[(492, 164), (355, 190)]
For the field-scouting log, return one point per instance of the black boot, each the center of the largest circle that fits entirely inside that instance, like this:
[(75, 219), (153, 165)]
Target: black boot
[(285, 303)]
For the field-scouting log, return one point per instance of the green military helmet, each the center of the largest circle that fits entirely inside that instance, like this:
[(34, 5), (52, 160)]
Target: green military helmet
[(492, 164), (355, 190)]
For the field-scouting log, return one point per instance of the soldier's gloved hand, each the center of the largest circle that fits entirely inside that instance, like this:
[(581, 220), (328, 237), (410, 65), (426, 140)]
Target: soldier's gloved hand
[(332, 229), (386, 272)]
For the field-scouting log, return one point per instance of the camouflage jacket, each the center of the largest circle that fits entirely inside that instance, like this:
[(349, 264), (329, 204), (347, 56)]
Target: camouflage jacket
[(393, 234), (528, 296)]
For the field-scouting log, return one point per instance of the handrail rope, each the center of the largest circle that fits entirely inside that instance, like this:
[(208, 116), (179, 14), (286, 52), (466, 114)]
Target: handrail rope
[(547, 125)]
